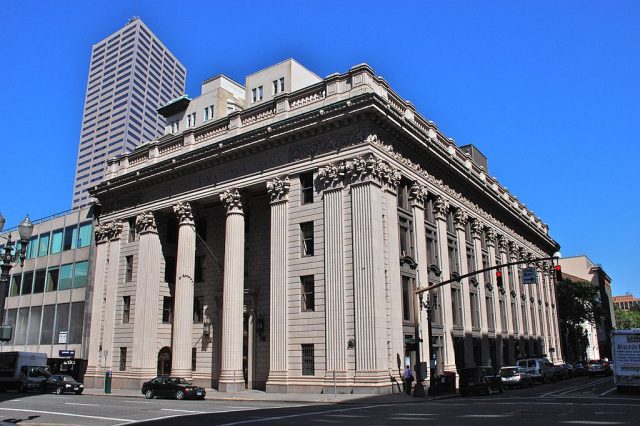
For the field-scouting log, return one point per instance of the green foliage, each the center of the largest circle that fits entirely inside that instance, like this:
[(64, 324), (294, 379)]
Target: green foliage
[(627, 319)]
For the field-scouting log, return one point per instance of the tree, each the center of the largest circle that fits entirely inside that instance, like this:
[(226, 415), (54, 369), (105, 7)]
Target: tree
[(627, 319), (578, 302)]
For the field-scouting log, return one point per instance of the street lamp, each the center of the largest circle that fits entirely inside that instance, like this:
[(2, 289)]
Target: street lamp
[(428, 306), (7, 261)]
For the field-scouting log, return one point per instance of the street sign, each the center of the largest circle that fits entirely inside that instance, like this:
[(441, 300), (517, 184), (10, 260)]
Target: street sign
[(529, 276), (62, 337), (67, 353)]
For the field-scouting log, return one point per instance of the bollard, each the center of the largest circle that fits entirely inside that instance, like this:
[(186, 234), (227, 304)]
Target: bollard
[(107, 382)]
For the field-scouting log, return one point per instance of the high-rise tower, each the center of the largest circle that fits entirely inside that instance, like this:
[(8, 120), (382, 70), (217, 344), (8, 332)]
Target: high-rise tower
[(131, 74)]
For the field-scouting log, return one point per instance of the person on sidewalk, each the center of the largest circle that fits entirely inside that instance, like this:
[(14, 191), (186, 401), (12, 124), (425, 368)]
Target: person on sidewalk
[(407, 379)]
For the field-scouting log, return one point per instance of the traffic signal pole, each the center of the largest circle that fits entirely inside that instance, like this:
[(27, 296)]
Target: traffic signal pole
[(458, 278)]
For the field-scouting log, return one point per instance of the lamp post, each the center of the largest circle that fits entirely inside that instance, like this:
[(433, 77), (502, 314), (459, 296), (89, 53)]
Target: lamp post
[(7, 260), (428, 306)]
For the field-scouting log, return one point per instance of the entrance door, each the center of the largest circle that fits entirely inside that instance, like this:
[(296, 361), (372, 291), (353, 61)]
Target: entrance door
[(164, 361)]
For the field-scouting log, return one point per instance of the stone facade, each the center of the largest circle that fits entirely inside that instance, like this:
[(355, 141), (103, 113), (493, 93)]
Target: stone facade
[(308, 230)]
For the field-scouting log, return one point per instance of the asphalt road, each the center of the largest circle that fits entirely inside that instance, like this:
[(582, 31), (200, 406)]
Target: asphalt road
[(576, 401)]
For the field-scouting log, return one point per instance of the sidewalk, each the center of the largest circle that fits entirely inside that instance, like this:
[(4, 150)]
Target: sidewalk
[(254, 395)]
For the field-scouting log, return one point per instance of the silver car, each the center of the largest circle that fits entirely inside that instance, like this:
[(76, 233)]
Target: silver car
[(515, 376)]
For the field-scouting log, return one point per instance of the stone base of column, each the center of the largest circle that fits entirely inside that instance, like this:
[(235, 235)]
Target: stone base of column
[(231, 381), (373, 382), (145, 374), (278, 382), (338, 383), (184, 373)]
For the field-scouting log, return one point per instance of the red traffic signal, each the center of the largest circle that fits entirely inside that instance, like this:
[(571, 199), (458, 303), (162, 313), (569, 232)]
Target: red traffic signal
[(499, 278), (558, 270)]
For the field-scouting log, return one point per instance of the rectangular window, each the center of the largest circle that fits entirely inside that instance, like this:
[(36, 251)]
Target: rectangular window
[(32, 248), (70, 237), (307, 289), (432, 247), (16, 285), (126, 309), (452, 245), (306, 188), (128, 271), (76, 322), (306, 232), (456, 307), (260, 93), (282, 84), (198, 311), (66, 277), (475, 310), (407, 299), (503, 315), (199, 269), (123, 359), (491, 324), (167, 309), (61, 331), (27, 283), (132, 230), (80, 274), (84, 235), (308, 361), (274, 87), (43, 248), (254, 95), (406, 236), (46, 333), (56, 241), (52, 279), (39, 282), (34, 325), (191, 119)]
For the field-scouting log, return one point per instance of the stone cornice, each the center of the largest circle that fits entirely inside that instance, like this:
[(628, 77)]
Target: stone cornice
[(278, 189)]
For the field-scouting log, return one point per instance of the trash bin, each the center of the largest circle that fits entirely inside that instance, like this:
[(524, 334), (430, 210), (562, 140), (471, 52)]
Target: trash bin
[(449, 381), (107, 382)]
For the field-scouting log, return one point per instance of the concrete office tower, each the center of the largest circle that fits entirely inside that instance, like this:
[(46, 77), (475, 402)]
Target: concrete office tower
[(131, 74)]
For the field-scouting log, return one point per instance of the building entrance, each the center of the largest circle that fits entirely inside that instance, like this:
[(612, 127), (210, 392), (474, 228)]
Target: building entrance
[(164, 361)]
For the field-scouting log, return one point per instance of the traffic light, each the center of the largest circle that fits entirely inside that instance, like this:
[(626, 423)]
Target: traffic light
[(558, 269), (499, 278)]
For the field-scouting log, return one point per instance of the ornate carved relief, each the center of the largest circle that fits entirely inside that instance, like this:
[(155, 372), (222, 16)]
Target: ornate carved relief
[(184, 213), (145, 223), (502, 244), (441, 207), (278, 189), (321, 145), (460, 218), (359, 170), (333, 175), (115, 230), (232, 201), (417, 194), (102, 232), (476, 228), (491, 237)]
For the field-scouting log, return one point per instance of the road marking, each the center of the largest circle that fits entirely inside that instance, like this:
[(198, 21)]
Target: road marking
[(80, 403), (69, 415), (572, 389), (606, 392), (486, 415), (185, 411), (139, 402), (591, 422)]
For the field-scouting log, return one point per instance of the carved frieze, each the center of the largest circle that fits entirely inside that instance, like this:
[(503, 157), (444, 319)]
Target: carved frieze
[(146, 223), (232, 201), (184, 213), (278, 189), (102, 233), (358, 170)]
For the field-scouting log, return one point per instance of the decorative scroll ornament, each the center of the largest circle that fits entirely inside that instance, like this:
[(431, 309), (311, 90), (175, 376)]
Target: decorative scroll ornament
[(333, 175), (278, 189), (232, 200), (102, 233), (460, 218), (360, 170), (440, 208), (145, 223), (502, 244), (476, 228), (184, 212), (115, 230), (513, 250), (488, 286), (417, 194), (491, 237), (502, 290)]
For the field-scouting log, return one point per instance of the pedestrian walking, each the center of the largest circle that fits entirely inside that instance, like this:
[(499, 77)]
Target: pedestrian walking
[(407, 379)]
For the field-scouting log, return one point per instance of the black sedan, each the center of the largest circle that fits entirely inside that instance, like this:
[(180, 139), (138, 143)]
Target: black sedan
[(61, 383), (172, 387)]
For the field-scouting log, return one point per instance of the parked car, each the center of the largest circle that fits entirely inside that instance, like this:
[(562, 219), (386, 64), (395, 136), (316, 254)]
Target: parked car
[(172, 387), (482, 380), (540, 368), (61, 383), (559, 372), (580, 368), (599, 367), (568, 368), (515, 376)]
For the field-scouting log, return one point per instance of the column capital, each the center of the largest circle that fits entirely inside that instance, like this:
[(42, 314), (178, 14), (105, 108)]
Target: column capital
[(502, 244), (232, 200), (460, 219), (184, 212), (114, 230), (491, 237), (372, 168), (333, 175), (278, 189), (417, 195), (441, 207), (101, 232), (476, 228), (146, 223), (513, 249)]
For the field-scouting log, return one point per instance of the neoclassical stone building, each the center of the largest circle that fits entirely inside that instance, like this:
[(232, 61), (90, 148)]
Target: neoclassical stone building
[(277, 244)]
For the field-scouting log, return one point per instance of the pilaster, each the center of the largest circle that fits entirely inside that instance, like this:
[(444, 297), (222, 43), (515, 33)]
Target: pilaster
[(231, 375), (278, 190), (509, 297), (183, 310)]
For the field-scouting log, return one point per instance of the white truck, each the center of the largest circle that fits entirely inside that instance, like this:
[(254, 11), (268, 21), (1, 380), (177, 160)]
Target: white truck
[(22, 370), (625, 347)]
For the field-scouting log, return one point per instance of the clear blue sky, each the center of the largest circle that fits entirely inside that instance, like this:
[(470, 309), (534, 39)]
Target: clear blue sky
[(548, 91)]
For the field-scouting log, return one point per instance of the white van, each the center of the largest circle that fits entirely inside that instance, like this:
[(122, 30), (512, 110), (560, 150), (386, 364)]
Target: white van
[(540, 369), (22, 370)]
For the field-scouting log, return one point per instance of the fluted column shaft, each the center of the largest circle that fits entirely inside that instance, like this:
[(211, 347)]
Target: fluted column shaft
[(145, 329), (110, 296), (278, 317), (394, 282), (418, 195), (544, 331), (449, 354), (183, 312), (482, 303), (231, 375), (465, 297), (97, 303), (499, 324)]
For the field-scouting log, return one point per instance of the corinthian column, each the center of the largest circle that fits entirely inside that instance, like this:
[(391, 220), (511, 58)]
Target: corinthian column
[(231, 375), (278, 190), (417, 195), (97, 302), (145, 327), (114, 232), (476, 235), (460, 219), (183, 312)]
